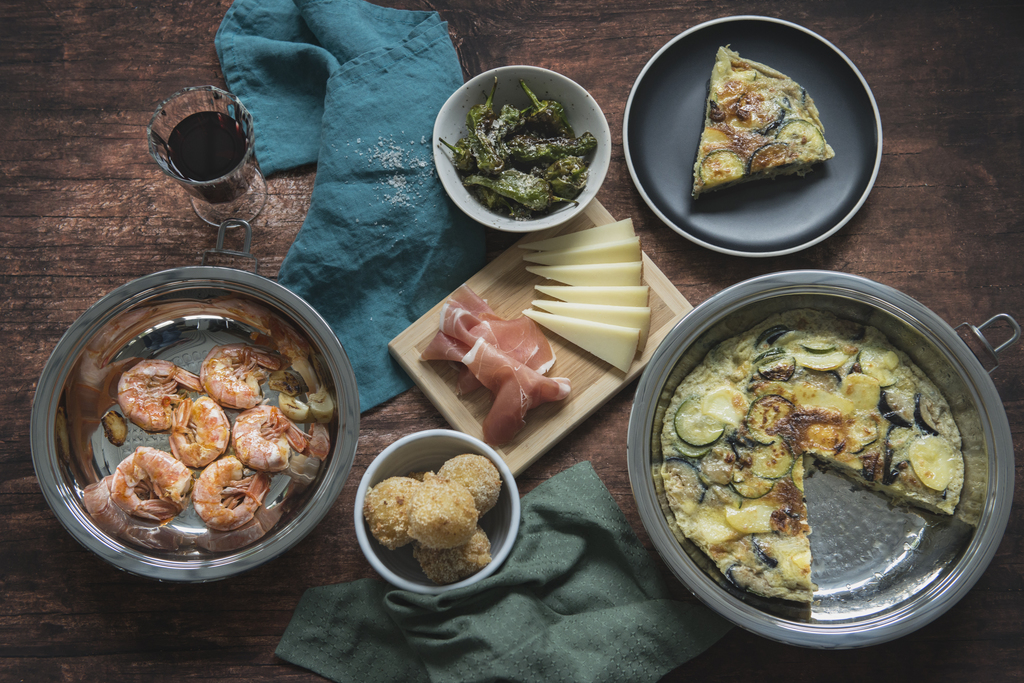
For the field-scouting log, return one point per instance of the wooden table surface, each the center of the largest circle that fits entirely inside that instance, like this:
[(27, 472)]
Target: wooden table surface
[(83, 209)]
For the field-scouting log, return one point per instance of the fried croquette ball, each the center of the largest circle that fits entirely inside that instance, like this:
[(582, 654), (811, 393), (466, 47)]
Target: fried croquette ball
[(476, 473), (442, 513), (448, 565), (386, 510)]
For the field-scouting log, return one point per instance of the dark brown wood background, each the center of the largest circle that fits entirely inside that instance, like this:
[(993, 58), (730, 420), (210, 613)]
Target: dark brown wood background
[(83, 209)]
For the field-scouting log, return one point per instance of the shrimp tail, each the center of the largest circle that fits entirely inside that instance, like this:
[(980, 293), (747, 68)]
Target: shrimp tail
[(268, 359), (182, 416), (296, 439), (255, 487), (318, 442), (156, 509), (187, 379)]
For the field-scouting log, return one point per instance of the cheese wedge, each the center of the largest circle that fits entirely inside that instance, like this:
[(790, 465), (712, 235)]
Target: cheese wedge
[(620, 251), (590, 274), (610, 232), (615, 296), (613, 344), (624, 316)]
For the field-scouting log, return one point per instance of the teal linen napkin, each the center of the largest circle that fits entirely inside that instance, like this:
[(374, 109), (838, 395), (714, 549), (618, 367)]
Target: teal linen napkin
[(578, 599), (355, 88)]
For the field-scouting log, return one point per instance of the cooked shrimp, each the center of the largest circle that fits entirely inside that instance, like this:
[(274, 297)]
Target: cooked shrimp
[(292, 345), (150, 484), (318, 442), (200, 432), (148, 391), (263, 438), (232, 374), (277, 333), (224, 498)]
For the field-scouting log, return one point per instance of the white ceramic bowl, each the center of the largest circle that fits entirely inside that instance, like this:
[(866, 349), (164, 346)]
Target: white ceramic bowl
[(583, 113), (427, 451)]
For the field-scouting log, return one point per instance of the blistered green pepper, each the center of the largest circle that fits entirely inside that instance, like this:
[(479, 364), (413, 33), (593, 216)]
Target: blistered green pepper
[(507, 123), (567, 176), (529, 190), (536, 150), (532, 192), (482, 143), (546, 116), (495, 202), (462, 155), (480, 114)]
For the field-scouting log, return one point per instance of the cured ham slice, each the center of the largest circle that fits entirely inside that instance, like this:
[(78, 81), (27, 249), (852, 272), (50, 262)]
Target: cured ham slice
[(444, 347), (519, 338), (509, 357), (516, 388), (465, 317)]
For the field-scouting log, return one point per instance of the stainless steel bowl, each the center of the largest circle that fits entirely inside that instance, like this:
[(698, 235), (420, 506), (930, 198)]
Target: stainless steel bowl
[(882, 571), (179, 315)]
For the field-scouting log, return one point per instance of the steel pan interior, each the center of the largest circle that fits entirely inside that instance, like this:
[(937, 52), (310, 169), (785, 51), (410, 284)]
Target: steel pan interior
[(178, 315), (882, 571)]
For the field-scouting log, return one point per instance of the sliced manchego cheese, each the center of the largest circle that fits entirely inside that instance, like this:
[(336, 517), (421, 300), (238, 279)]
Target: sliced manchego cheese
[(590, 274), (613, 344), (610, 232), (612, 296), (934, 461), (620, 251), (624, 316)]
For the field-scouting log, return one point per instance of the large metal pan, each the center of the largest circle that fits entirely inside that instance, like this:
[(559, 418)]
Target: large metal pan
[(179, 315), (882, 571)]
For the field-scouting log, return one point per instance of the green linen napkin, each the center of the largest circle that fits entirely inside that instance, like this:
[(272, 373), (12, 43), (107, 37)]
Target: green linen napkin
[(578, 599), (355, 88)]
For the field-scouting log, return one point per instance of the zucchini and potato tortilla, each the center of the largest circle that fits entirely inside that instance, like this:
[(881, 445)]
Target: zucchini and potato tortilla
[(758, 123), (801, 384)]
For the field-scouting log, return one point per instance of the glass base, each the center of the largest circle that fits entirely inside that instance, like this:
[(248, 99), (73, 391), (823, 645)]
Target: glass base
[(245, 208)]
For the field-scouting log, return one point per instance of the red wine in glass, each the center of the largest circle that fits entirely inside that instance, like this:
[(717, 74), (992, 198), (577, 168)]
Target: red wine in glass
[(202, 137), (205, 146)]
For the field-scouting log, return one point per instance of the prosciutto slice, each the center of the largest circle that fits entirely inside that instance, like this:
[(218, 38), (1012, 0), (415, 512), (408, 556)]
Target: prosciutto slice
[(467, 317), (509, 357), (443, 347)]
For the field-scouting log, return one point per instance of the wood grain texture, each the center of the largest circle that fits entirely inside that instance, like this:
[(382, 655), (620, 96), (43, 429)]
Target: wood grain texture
[(83, 210), (505, 283)]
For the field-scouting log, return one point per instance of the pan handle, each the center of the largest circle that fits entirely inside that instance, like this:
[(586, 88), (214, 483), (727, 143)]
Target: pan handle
[(222, 232), (980, 336)]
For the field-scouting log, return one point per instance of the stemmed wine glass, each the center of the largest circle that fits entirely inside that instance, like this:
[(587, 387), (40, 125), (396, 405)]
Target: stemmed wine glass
[(203, 137)]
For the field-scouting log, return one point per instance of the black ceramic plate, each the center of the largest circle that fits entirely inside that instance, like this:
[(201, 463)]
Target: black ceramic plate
[(665, 115)]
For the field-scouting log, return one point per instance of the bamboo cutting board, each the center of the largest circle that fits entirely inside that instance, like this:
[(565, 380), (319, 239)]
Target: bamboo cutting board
[(509, 289)]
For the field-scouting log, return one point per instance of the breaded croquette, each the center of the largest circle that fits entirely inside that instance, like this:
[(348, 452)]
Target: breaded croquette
[(387, 510), (476, 473), (449, 565), (442, 513)]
